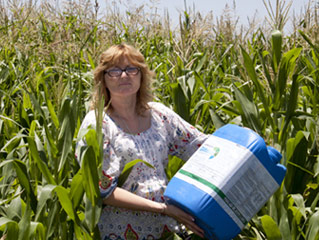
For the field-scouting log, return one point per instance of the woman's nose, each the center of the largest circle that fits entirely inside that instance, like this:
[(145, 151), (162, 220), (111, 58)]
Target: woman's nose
[(124, 72)]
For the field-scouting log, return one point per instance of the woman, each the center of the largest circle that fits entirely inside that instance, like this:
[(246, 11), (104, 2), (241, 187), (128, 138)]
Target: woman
[(135, 128)]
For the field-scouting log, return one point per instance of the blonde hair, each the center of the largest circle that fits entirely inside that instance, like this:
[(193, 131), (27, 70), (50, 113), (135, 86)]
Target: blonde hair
[(111, 57)]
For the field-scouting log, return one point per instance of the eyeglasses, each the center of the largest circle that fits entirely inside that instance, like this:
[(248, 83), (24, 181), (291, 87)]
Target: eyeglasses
[(117, 72)]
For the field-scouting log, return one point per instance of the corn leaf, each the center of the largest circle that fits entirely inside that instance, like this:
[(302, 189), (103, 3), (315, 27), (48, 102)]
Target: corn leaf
[(12, 228), (300, 203), (37, 230), (77, 190), (24, 224), (92, 214), (45, 194), (180, 101), (296, 159), (42, 166), (65, 201), (249, 67), (249, 110), (90, 175), (313, 229), (271, 229), (128, 168), (174, 164), (23, 177), (286, 67)]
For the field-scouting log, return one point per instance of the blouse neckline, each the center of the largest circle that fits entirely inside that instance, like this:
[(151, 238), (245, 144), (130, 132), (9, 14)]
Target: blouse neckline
[(133, 134)]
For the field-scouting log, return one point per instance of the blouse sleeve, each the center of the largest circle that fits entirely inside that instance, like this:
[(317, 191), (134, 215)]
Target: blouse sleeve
[(111, 168), (184, 139)]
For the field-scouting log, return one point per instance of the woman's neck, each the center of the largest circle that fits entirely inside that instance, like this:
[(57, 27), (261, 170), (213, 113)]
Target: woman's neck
[(125, 115), (124, 108)]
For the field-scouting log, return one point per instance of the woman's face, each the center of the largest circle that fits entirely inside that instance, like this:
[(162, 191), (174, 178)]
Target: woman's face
[(123, 79)]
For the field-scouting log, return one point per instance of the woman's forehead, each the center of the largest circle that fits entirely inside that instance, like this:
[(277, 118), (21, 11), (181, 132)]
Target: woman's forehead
[(122, 60)]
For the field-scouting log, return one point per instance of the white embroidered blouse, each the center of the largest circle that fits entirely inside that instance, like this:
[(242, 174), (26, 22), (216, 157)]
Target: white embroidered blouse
[(169, 134)]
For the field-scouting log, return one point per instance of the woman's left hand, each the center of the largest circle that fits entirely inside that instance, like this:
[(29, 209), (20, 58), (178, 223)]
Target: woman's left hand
[(183, 217)]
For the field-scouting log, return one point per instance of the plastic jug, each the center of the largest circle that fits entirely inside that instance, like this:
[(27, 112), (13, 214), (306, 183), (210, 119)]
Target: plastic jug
[(227, 181)]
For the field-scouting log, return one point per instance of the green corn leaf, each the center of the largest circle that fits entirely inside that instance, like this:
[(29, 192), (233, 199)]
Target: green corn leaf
[(90, 60), (42, 166), (54, 117), (217, 120), (286, 68), (128, 168), (90, 175), (315, 201), (14, 210), (249, 109), (12, 143), (293, 98), (250, 69), (300, 203), (45, 194), (24, 224), (41, 82), (199, 81), (316, 48), (26, 101), (66, 147), (77, 190), (262, 58), (24, 180), (92, 214), (180, 101), (99, 113), (291, 108), (284, 224), (37, 230), (65, 201), (66, 132), (271, 229), (296, 213), (191, 85), (51, 146), (52, 218), (64, 117), (296, 160), (23, 116), (36, 105), (174, 164), (12, 228), (200, 65), (313, 228), (249, 66), (91, 140), (316, 167)]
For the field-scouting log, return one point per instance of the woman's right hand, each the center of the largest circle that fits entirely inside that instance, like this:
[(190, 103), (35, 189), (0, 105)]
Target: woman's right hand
[(182, 217)]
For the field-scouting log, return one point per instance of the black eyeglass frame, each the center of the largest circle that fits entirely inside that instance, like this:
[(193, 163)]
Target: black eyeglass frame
[(123, 70)]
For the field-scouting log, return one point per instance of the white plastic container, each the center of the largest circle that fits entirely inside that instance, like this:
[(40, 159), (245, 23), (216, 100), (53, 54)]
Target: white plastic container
[(227, 181)]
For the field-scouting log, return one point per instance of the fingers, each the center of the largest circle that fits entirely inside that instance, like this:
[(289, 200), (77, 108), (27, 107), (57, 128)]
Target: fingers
[(184, 218)]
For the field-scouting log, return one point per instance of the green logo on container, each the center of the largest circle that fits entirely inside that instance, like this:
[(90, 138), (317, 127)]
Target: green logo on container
[(214, 152)]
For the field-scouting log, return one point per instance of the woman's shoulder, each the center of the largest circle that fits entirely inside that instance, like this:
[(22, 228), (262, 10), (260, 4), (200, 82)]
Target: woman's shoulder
[(89, 116)]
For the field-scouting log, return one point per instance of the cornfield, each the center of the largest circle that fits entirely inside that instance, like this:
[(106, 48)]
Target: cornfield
[(211, 71)]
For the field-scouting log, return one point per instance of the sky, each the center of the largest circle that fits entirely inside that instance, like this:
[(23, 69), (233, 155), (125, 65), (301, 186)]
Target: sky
[(244, 8)]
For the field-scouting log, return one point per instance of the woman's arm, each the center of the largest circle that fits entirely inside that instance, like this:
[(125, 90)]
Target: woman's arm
[(125, 199)]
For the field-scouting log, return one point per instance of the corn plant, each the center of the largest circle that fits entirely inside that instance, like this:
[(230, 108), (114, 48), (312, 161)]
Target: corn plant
[(210, 75)]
